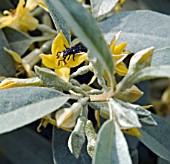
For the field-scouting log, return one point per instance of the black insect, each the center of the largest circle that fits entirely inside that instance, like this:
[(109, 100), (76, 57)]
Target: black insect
[(71, 51)]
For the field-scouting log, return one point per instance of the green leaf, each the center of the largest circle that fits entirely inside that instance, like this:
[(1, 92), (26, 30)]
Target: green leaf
[(156, 138), (140, 60), (101, 9), (7, 67), (25, 150), (61, 151), (143, 114), (157, 5), (144, 74), (125, 117), (84, 26), (161, 57), (151, 73), (111, 146), (99, 105), (98, 71), (77, 137), (102, 106), (140, 29), (18, 41), (21, 106), (91, 138), (50, 78), (59, 22)]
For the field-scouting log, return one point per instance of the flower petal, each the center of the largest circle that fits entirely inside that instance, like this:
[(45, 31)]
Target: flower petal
[(31, 4), (114, 41), (121, 69), (6, 21), (20, 7), (42, 4), (15, 82), (64, 73), (129, 95), (27, 22), (28, 70), (132, 132), (15, 56), (66, 117), (59, 44), (48, 60), (78, 59), (120, 48)]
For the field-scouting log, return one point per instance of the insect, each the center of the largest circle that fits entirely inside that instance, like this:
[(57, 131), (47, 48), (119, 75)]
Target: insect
[(71, 51)]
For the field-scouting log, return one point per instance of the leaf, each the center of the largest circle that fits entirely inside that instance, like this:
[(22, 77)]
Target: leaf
[(7, 67), (102, 106), (21, 106), (125, 117), (77, 137), (50, 78), (140, 60), (156, 138), (15, 82), (151, 73), (161, 57), (101, 9), (59, 22), (130, 94), (99, 105), (111, 146), (23, 151), (98, 71), (85, 27), (144, 74), (18, 41), (141, 29), (143, 114), (91, 138), (61, 152), (157, 5)]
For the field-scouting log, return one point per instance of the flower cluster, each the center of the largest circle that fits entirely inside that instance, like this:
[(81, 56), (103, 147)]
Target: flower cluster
[(20, 18), (56, 60)]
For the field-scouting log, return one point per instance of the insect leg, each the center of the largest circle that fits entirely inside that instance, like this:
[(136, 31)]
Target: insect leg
[(65, 46), (58, 55), (69, 56), (73, 57), (64, 59), (59, 62)]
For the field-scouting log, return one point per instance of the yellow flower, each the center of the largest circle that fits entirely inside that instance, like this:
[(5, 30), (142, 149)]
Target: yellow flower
[(19, 18), (119, 55), (21, 65), (56, 60), (132, 132), (42, 4), (119, 5), (15, 82), (32, 4)]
